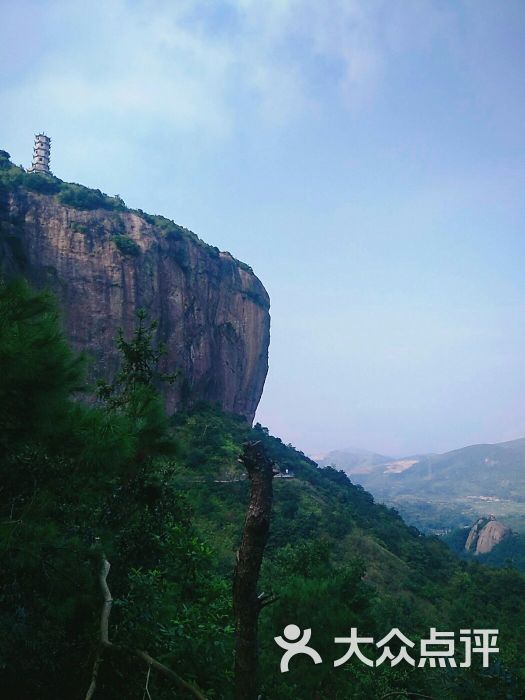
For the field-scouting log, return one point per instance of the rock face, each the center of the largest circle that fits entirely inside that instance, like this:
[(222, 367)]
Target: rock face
[(485, 534), (212, 311)]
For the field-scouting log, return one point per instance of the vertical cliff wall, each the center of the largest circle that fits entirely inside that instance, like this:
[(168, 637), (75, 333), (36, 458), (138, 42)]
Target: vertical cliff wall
[(213, 312)]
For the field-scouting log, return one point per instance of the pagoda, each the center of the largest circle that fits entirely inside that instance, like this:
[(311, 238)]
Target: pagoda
[(41, 154)]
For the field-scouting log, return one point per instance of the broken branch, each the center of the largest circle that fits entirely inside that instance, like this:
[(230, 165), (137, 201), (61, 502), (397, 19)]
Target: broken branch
[(106, 644)]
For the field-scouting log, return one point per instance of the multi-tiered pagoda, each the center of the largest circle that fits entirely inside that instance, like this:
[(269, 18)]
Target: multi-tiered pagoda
[(41, 154)]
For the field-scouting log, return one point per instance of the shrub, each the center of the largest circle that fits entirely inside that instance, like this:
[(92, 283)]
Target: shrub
[(37, 182), (4, 160), (81, 197), (127, 246)]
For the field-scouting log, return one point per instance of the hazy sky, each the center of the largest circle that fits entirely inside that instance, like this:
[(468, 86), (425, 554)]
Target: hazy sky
[(366, 157)]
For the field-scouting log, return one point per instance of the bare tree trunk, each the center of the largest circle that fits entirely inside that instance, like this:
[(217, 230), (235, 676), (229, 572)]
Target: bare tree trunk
[(246, 604)]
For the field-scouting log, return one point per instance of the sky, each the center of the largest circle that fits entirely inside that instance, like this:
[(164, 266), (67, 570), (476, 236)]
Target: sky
[(365, 157)]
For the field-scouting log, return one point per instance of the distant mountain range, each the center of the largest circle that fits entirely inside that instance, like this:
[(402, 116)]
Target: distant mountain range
[(352, 460), (437, 492)]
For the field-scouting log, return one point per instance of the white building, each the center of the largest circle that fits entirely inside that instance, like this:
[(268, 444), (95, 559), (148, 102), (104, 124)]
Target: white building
[(41, 154)]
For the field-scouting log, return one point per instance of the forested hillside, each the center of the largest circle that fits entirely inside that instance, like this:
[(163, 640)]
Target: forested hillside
[(162, 501)]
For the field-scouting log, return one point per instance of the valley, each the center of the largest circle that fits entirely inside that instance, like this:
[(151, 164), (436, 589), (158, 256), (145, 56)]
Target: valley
[(439, 492)]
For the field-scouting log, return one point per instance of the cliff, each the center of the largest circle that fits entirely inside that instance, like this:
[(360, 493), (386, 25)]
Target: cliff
[(485, 535), (104, 261)]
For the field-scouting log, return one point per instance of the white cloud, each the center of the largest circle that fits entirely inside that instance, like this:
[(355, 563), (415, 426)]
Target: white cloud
[(195, 67)]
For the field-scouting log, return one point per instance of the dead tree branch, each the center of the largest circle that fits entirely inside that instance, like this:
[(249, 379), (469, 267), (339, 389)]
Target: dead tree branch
[(407, 693), (146, 689), (105, 644), (246, 603), (104, 625)]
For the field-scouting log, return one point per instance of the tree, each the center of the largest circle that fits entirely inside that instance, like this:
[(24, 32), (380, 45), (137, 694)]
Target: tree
[(139, 364), (134, 391), (39, 371), (81, 482), (247, 604)]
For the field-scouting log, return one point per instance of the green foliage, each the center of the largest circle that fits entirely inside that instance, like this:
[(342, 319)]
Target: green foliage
[(301, 574), (127, 245), (41, 183), (70, 194), (12, 177), (139, 367), (133, 394), (46, 583), (80, 197), (165, 500), (120, 497), (209, 443), (510, 552), (79, 228), (38, 369), (336, 559), (172, 230)]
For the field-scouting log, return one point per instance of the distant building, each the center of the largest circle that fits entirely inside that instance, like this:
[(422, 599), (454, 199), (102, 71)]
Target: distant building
[(41, 154), (284, 475)]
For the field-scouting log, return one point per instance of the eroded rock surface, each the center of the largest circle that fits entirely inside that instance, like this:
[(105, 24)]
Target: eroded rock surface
[(485, 534), (212, 311)]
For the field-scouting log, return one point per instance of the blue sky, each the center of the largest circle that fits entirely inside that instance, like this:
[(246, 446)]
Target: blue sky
[(366, 157)]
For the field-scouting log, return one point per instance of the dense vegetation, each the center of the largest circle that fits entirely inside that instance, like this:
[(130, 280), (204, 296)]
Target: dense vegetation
[(163, 499), (68, 193)]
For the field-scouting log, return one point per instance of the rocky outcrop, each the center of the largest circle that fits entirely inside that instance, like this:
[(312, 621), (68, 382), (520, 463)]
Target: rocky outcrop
[(490, 536), (485, 534), (212, 311)]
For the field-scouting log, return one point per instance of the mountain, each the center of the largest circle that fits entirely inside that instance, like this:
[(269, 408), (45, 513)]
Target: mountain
[(105, 261), (441, 491), (353, 460)]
